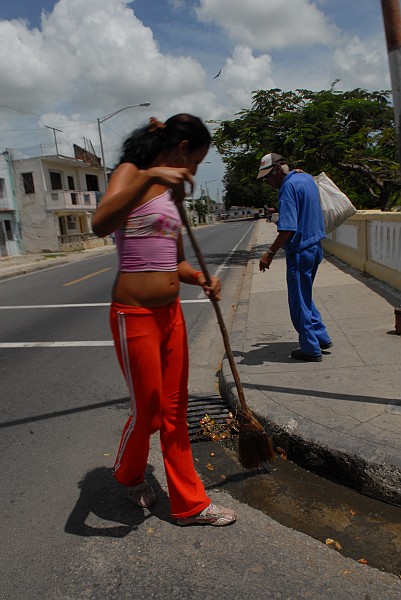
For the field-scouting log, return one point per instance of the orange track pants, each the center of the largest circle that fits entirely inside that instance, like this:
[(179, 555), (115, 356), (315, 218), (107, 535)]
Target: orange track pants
[(152, 350)]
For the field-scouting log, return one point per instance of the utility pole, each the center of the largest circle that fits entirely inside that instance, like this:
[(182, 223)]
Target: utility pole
[(392, 26), (55, 139), (207, 196), (11, 175)]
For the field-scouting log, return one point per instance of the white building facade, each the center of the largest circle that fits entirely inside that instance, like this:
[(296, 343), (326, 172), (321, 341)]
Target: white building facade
[(55, 198)]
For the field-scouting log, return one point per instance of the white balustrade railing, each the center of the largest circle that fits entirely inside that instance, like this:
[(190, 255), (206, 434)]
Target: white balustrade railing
[(370, 241), (70, 199)]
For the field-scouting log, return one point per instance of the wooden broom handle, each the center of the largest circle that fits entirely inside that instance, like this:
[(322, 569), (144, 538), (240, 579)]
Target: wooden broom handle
[(216, 307)]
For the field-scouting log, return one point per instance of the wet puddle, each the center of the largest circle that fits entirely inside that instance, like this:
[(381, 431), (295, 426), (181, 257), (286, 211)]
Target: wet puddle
[(358, 527)]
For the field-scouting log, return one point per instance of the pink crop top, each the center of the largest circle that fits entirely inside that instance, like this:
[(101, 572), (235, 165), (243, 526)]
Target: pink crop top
[(147, 241)]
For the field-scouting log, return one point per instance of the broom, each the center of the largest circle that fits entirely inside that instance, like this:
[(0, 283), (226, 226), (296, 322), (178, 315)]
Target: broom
[(254, 445)]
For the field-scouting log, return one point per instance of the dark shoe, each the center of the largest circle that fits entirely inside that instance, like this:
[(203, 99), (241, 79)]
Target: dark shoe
[(302, 356), (142, 494), (326, 346)]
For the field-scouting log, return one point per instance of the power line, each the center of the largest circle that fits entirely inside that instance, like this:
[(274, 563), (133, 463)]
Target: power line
[(25, 112), (20, 111), (19, 130)]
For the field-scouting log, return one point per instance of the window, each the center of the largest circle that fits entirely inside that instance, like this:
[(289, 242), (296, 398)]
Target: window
[(9, 231), (27, 182), (71, 222), (92, 184), (74, 198), (55, 180), (71, 184), (2, 187)]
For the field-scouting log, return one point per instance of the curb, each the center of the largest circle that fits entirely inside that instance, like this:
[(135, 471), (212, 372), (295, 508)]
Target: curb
[(33, 267), (46, 263), (327, 454)]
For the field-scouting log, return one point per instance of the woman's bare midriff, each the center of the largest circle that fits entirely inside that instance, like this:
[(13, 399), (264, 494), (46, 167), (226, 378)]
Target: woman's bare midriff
[(149, 289)]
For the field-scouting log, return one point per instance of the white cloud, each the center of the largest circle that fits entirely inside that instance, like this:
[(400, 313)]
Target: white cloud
[(363, 64), (25, 65), (268, 24), (243, 73), (94, 55), (176, 4)]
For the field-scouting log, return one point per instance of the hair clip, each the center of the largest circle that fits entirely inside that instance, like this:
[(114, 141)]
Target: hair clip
[(154, 124)]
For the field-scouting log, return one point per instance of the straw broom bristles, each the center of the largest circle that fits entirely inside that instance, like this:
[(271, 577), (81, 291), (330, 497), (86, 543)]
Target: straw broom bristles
[(254, 446)]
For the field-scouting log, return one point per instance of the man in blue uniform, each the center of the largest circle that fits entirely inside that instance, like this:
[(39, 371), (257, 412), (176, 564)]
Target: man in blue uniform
[(300, 228)]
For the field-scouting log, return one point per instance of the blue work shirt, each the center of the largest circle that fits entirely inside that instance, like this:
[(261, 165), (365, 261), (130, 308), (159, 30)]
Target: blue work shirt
[(300, 211)]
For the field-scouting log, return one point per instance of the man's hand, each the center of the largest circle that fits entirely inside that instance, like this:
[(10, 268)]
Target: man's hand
[(265, 261)]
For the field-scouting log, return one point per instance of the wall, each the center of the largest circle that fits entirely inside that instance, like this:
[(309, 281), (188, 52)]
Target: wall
[(370, 241), (39, 228)]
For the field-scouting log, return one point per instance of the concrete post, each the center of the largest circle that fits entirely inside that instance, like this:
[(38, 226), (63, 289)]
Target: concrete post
[(392, 25)]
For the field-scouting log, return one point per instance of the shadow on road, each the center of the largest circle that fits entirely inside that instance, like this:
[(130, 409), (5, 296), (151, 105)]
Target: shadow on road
[(103, 509)]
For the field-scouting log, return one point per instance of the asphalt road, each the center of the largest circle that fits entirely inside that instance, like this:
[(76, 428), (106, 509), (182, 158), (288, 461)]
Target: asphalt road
[(64, 400), (68, 532)]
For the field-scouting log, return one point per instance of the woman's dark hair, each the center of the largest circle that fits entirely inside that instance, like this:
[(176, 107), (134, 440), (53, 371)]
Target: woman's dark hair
[(146, 143)]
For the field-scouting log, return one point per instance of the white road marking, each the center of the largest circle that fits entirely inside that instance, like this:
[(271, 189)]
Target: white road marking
[(55, 344), (29, 306), (100, 343), (74, 344), (224, 264), (89, 305)]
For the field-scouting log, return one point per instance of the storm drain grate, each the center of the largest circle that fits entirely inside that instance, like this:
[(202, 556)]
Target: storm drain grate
[(198, 406)]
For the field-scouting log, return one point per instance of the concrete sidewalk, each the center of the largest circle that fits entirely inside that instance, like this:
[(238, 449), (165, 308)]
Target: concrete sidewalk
[(342, 417)]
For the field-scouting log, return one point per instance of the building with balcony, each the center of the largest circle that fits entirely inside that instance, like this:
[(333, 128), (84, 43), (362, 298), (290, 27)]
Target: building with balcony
[(55, 198)]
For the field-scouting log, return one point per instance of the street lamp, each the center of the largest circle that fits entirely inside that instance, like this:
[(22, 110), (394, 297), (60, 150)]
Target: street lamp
[(102, 120)]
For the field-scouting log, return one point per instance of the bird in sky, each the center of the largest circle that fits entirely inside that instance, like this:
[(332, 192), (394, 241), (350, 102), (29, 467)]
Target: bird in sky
[(217, 74)]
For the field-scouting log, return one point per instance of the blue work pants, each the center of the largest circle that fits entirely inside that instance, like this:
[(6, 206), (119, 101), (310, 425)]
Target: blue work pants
[(301, 271)]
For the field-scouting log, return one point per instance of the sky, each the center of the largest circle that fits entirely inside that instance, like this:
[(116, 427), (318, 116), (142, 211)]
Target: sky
[(65, 64)]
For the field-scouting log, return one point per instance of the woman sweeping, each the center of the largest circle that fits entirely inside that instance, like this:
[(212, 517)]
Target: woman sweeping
[(146, 318)]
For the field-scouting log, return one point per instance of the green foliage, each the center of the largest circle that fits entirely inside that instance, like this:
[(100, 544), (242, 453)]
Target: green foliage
[(349, 135), (200, 208)]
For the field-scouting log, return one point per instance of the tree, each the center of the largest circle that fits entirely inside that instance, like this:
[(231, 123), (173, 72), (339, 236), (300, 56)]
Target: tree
[(201, 209), (349, 135)]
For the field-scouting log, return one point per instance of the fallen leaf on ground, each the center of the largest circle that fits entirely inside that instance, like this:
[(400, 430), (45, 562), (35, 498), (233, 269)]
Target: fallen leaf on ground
[(352, 512), (363, 561), (281, 453), (333, 544), (209, 467), (150, 530)]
